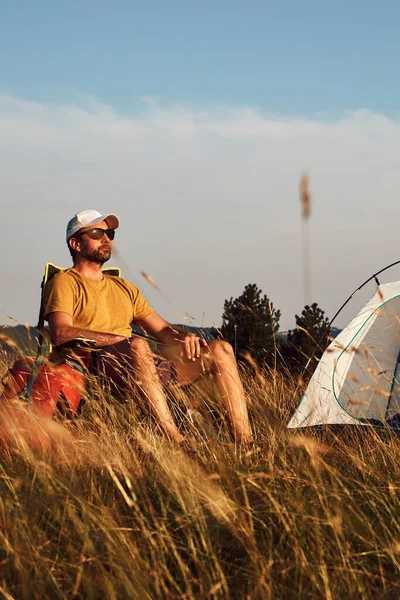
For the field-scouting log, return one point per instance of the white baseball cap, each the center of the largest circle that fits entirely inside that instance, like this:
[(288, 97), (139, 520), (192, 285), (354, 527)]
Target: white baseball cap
[(86, 218)]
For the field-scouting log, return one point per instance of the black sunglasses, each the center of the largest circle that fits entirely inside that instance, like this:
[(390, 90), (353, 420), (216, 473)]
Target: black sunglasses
[(97, 233)]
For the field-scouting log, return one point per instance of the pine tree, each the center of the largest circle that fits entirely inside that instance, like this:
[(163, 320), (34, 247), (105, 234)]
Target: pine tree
[(250, 323), (310, 338)]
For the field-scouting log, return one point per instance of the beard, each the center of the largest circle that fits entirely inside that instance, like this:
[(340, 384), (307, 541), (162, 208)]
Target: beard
[(99, 256)]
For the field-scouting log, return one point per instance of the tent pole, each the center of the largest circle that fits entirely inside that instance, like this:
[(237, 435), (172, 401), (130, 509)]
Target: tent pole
[(374, 276)]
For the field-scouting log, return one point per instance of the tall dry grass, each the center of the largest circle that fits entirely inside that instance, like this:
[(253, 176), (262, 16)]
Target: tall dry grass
[(116, 511)]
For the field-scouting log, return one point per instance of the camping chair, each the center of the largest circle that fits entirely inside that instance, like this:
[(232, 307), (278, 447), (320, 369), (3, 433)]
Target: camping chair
[(50, 385)]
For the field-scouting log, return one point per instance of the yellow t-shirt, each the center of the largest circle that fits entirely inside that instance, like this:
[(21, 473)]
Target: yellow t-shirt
[(107, 306)]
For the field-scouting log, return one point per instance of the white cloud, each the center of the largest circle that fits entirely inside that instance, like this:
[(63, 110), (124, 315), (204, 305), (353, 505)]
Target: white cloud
[(208, 200)]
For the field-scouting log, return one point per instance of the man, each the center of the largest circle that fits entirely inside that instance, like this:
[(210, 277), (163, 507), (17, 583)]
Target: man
[(85, 302)]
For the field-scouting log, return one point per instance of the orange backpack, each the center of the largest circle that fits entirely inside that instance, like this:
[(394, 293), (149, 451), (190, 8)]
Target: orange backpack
[(47, 388)]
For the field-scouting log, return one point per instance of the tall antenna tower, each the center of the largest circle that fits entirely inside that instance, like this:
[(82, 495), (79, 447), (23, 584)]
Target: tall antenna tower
[(305, 199)]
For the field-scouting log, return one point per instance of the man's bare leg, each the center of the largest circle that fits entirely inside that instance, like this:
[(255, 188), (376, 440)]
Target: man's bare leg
[(132, 362), (219, 360)]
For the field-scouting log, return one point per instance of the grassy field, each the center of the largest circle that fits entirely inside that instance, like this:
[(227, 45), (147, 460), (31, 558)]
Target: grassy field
[(116, 511)]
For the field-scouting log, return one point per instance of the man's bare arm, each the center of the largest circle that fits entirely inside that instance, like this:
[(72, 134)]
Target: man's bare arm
[(179, 343), (62, 330)]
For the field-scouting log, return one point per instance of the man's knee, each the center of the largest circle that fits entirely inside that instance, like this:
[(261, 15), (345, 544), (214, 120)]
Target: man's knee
[(221, 352)]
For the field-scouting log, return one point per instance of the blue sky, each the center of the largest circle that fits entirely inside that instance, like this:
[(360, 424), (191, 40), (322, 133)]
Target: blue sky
[(289, 57), (194, 122)]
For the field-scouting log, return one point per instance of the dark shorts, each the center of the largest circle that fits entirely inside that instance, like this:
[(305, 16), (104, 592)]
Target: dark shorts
[(113, 363)]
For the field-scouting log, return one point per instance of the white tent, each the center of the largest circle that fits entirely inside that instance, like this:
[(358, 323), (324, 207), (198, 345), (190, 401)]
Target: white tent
[(358, 377)]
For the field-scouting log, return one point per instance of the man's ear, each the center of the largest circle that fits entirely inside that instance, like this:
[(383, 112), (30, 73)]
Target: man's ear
[(75, 244)]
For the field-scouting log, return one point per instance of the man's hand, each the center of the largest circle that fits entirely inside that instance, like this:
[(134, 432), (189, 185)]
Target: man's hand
[(191, 345), (176, 343)]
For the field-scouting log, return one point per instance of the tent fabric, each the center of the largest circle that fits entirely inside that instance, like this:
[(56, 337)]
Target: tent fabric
[(357, 380)]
